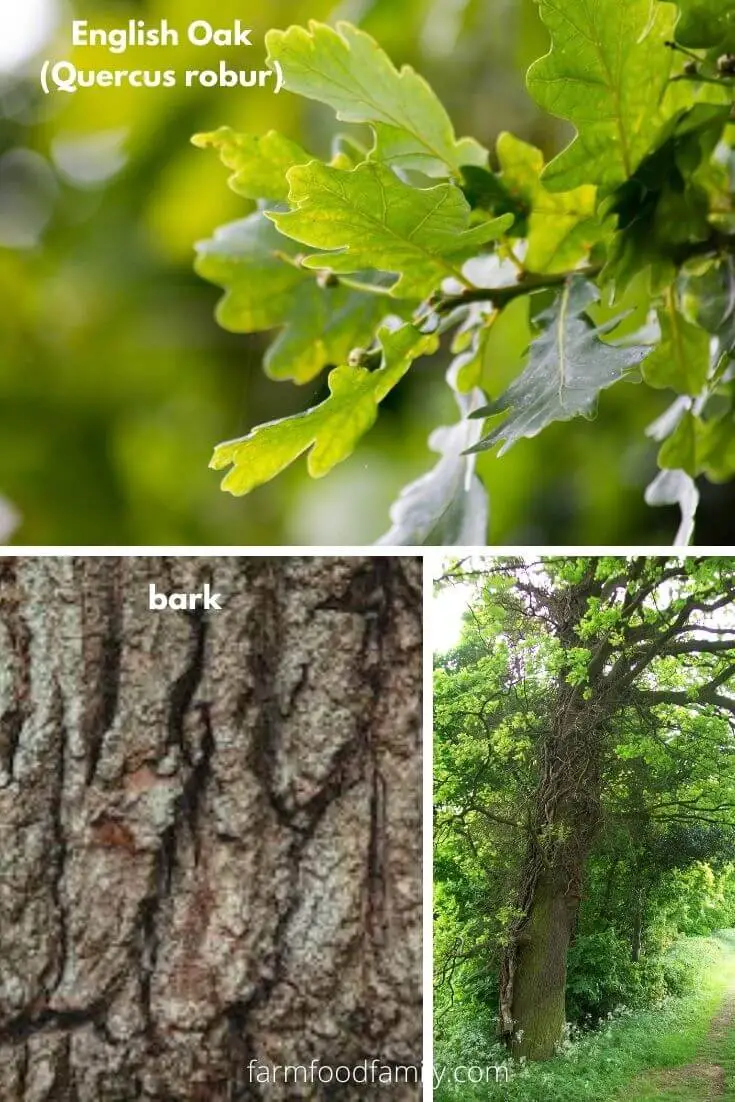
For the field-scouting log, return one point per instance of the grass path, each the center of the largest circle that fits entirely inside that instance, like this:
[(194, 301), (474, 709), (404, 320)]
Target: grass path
[(682, 1051), (711, 1074)]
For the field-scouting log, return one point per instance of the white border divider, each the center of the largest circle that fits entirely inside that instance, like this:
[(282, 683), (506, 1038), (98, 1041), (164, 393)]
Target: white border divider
[(432, 559)]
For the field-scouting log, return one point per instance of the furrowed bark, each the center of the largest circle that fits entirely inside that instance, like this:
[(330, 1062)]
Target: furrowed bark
[(210, 826)]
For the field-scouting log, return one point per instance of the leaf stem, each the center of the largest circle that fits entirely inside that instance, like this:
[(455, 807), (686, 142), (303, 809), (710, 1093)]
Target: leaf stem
[(700, 78), (671, 45)]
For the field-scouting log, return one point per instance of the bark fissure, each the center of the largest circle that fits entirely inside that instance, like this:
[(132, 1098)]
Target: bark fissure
[(102, 612), (265, 660), (376, 855), (197, 762), (378, 627), (15, 711), (186, 684), (31, 1022), (23, 1072), (58, 834)]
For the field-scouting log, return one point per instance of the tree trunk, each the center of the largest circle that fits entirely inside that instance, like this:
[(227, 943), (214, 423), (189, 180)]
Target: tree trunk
[(541, 971), (639, 914), (565, 817), (210, 826)]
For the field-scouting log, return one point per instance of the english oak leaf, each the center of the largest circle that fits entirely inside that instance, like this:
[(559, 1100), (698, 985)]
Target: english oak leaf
[(266, 288), (346, 69), (329, 431), (569, 364), (259, 164), (680, 359), (371, 220), (606, 72)]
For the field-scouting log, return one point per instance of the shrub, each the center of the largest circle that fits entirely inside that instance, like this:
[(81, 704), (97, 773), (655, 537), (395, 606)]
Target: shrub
[(599, 975)]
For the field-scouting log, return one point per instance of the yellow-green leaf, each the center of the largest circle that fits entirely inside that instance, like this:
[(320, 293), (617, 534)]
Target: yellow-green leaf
[(606, 73), (259, 164), (373, 221), (562, 226), (346, 69), (330, 430), (267, 289)]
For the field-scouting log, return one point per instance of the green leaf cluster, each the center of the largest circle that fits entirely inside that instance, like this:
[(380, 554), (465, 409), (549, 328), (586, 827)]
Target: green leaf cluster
[(553, 282)]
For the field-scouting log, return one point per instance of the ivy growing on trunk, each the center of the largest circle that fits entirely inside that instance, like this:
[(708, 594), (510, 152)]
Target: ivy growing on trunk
[(618, 256)]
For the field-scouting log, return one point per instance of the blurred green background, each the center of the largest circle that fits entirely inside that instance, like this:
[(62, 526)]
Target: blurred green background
[(116, 381)]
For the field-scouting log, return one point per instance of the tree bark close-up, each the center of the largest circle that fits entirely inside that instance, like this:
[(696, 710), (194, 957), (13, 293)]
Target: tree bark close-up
[(210, 827)]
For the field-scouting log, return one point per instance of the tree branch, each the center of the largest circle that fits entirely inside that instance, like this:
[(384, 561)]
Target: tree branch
[(701, 646), (501, 296), (706, 694), (534, 281)]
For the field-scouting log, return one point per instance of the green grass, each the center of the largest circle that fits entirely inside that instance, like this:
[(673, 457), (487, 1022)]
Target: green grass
[(710, 1073), (620, 1061)]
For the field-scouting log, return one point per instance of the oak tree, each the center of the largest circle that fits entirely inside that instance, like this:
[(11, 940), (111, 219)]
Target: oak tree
[(585, 692)]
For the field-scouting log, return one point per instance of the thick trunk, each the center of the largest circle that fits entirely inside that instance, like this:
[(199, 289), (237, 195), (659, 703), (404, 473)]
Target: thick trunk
[(566, 814), (210, 826), (541, 971)]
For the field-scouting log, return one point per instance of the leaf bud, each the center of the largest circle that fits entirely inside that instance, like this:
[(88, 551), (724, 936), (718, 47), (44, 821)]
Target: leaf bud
[(363, 357), (327, 279)]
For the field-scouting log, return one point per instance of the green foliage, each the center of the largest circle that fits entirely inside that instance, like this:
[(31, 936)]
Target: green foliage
[(260, 164), (637, 210), (710, 296), (699, 898), (560, 227), (373, 221), (601, 977), (681, 361), (320, 324), (346, 70), (706, 23)]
